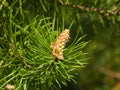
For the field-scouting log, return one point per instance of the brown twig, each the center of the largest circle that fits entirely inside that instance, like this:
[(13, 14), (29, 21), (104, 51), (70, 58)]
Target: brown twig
[(110, 73), (107, 12)]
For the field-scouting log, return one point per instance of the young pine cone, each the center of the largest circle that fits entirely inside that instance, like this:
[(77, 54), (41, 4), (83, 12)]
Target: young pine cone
[(59, 44), (9, 87)]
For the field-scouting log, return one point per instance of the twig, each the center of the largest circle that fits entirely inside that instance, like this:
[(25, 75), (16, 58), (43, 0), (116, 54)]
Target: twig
[(107, 12), (110, 73)]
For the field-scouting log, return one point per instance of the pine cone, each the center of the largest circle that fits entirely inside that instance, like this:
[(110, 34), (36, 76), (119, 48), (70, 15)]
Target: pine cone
[(59, 44)]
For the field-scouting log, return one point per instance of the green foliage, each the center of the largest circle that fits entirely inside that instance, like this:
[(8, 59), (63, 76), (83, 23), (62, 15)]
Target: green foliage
[(27, 62), (27, 29), (32, 64)]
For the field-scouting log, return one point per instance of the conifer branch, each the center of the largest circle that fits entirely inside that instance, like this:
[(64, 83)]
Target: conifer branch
[(106, 12)]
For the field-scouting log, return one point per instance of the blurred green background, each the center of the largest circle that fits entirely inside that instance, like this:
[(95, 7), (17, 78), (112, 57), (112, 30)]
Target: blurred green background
[(98, 19)]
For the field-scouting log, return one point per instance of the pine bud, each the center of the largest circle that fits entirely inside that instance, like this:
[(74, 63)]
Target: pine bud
[(59, 44), (9, 87)]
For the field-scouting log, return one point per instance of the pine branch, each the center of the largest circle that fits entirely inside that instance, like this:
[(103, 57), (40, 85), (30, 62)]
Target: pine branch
[(106, 12), (110, 73), (37, 60)]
